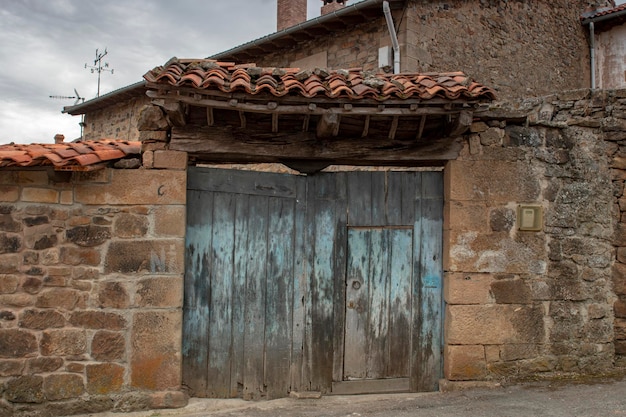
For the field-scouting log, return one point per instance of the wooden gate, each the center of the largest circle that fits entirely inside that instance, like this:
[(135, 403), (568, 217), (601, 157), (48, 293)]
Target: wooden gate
[(330, 282)]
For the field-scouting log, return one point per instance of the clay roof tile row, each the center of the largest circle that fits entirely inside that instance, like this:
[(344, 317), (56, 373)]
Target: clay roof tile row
[(67, 155), (352, 83)]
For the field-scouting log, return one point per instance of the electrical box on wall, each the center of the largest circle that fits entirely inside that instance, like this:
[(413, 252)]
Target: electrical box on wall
[(530, 217), (385, 57)]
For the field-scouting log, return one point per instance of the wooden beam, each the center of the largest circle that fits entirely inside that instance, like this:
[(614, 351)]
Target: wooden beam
[(328, 125), (227, 144), (461, 124)]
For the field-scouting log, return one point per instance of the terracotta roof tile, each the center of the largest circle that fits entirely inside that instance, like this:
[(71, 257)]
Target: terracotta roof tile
[(352, 83), (73, 154), (603, 12)]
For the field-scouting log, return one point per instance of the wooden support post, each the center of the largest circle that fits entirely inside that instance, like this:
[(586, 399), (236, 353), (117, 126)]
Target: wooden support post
[(394, 127), (420, 131), (242, 118), (210, 119), (366, 126), (305, 123), (274, 122)]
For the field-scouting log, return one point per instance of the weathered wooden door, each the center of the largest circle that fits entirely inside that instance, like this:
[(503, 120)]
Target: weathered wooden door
[(330, 282)]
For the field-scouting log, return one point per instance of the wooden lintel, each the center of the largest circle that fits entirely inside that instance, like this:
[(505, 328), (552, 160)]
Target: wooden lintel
[(210, 119), (461, 124), (274, 122), (242, 119), (366, 126), (228, 144), (272, 105), (420, 130), (394, 127), (327, 125)]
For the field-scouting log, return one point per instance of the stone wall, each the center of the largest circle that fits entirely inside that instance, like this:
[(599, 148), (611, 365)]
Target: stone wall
[(91, 278), (524, 304), (117, 121)]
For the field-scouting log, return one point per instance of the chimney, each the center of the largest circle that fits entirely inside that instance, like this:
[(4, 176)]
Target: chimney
[(290, 13), (332, 5), (59, 138)]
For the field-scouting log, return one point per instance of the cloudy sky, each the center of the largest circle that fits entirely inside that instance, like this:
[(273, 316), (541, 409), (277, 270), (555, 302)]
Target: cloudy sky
[(45, 44)]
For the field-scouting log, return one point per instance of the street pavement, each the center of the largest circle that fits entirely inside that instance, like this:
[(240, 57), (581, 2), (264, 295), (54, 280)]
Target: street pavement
[(598, 398)]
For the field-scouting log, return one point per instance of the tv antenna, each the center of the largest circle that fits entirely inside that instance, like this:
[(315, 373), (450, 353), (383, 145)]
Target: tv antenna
[(78, 98), (99, 67)]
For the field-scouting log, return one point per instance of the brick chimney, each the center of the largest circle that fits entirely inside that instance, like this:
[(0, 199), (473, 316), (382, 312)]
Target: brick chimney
[(332, 5), (290, 13)]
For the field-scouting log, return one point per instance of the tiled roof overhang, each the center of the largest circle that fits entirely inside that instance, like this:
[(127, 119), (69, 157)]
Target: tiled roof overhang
[(345, 18), (605, 14), (198, 77), (71, 156)]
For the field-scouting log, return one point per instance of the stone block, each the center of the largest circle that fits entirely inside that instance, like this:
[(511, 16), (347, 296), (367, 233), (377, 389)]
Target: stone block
[(7, 315), (170, 160), (98, 320), (168, 399), (108, 346), (151, 118), (493, 181), (478, 127), (160, 136), (10, 243), (11, 368), (148, 159), (468, 288), (67, 197), (514, 352), (136, 186), (113, 295), (41, 319), (169, 221), (9, 194), (40, 195), (151, 256), (9, 263), (63, 386), (465, 363), (88, 236), (16, 300), (32, 285), (620, 329), (470, 251), (63, 343), (155, 361), (43, 365), (103, 379), (160, 293), (62, 298), (80, 256), (131, 401), (16, 343), (8, 284), (511, 291), (128, 225), (466, 215), (494, 324), (25, 389), (492, 136), (8, 224), (502, 219), (30, 178)]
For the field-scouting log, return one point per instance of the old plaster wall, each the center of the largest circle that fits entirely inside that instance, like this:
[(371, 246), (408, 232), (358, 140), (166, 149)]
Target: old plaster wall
[(521, 303), (91, 277), (611, 57)]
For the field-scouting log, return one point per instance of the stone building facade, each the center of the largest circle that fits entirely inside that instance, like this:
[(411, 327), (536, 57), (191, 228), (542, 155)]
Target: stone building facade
[(91, 275)]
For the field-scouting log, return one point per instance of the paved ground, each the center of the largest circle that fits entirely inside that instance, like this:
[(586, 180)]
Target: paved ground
[(601, 398)]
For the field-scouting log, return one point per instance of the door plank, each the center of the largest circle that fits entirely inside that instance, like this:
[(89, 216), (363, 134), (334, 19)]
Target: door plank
[(220, 325), (340, 262), (359, 200), (196, 292), (400, 309), (357, 300), (278, 308), (256, 275), (243, 182), (378, 310), (241, 254)]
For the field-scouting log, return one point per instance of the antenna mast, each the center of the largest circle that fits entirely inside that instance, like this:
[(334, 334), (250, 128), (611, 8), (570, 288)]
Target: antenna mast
[(99, 67)]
